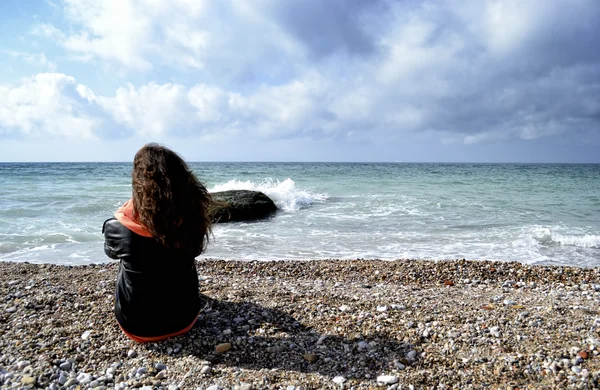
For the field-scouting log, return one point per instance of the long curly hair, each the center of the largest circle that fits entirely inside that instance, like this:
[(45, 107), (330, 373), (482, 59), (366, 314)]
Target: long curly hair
[(169, 200)]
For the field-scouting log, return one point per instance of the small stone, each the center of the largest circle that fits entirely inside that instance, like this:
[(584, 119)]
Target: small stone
[(11, 309), (411, 354), (495, 331), (205, 370), (448, 283), (161, 375), (213, 387), (388, 379), (160, 366), (290, 387), (344, 308), (223, 347), (339, 380), (227, 332), (381, 308), (508, 302), (310, 357), (131, 354), (583, 354), (63, 379), (576, 369), (28, 380), (242, 386), (86, 334), (66, 366), (321, 339), (363, 345), (71, 382)]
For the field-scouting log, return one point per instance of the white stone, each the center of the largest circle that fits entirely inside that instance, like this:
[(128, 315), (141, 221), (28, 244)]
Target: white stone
[(338, 379), (227, 332), (344, 308), (131, 354), (576, 369), (508, 302), (66, 366), (495, 331), (381, 308), (205, 370), (86, 334), (213, 387), (412, 354), (388, 379)]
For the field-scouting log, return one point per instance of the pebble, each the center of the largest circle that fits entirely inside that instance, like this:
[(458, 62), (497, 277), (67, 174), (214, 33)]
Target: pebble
[(310, 357), (161, 375), (71, 382), (213, 387), (205, 370), (11, 309), (381, 308), (339, 379), (63, 379), (344, 308), (576, 369), (86, 334), (227, 332), (242, 386), (28, 380), (66, 366), (495, 331), (223, 347), (388, 379), (131, 354), (160, 366)]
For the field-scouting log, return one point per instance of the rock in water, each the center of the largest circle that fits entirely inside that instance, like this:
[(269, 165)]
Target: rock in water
[(240, 205)]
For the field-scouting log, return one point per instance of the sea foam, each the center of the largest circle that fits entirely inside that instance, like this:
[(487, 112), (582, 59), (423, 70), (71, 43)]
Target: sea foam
[(285, 194)]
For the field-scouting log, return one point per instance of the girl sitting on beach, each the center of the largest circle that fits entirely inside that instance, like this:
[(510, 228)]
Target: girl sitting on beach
[(156, 235)]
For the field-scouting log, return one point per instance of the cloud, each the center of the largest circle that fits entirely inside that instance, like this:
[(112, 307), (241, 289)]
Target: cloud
[(45, 104), (461, 71), (36, 59)]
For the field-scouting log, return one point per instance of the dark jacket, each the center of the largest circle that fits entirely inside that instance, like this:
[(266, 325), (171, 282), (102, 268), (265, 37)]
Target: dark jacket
[(157, 288)]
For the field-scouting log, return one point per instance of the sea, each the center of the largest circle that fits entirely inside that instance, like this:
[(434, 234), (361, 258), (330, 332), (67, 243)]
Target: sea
[(530, 213)]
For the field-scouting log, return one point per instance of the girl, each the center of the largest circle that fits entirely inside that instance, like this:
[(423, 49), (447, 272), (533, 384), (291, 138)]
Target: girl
[(156, 235)]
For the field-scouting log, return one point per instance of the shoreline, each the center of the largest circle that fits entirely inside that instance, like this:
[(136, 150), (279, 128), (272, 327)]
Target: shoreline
[(313, 324)]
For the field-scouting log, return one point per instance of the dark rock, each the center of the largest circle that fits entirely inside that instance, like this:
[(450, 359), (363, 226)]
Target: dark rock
[(241, 205)]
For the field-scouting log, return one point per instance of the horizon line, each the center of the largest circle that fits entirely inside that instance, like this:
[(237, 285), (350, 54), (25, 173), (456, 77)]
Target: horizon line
[(307, 162)]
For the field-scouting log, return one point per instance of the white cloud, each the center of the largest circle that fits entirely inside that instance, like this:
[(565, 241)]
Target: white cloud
[(47, 103), (36, 59)]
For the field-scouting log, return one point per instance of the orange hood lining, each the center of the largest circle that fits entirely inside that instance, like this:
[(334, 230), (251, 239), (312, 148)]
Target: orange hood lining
[(125, 215)]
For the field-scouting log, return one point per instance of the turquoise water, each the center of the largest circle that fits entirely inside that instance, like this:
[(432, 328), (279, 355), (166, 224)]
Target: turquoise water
[(532, 213)]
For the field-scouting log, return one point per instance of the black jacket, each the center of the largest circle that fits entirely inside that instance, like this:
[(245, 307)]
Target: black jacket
[(157, 288)]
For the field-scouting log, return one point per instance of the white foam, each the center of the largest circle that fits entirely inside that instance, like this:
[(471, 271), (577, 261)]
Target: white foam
[(545, 236), (285, 194)]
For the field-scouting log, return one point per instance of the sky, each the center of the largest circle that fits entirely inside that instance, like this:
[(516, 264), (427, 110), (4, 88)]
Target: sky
[(301, 80)]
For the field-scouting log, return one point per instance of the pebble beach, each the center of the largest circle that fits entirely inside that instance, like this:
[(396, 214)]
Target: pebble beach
[(352, 324)]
